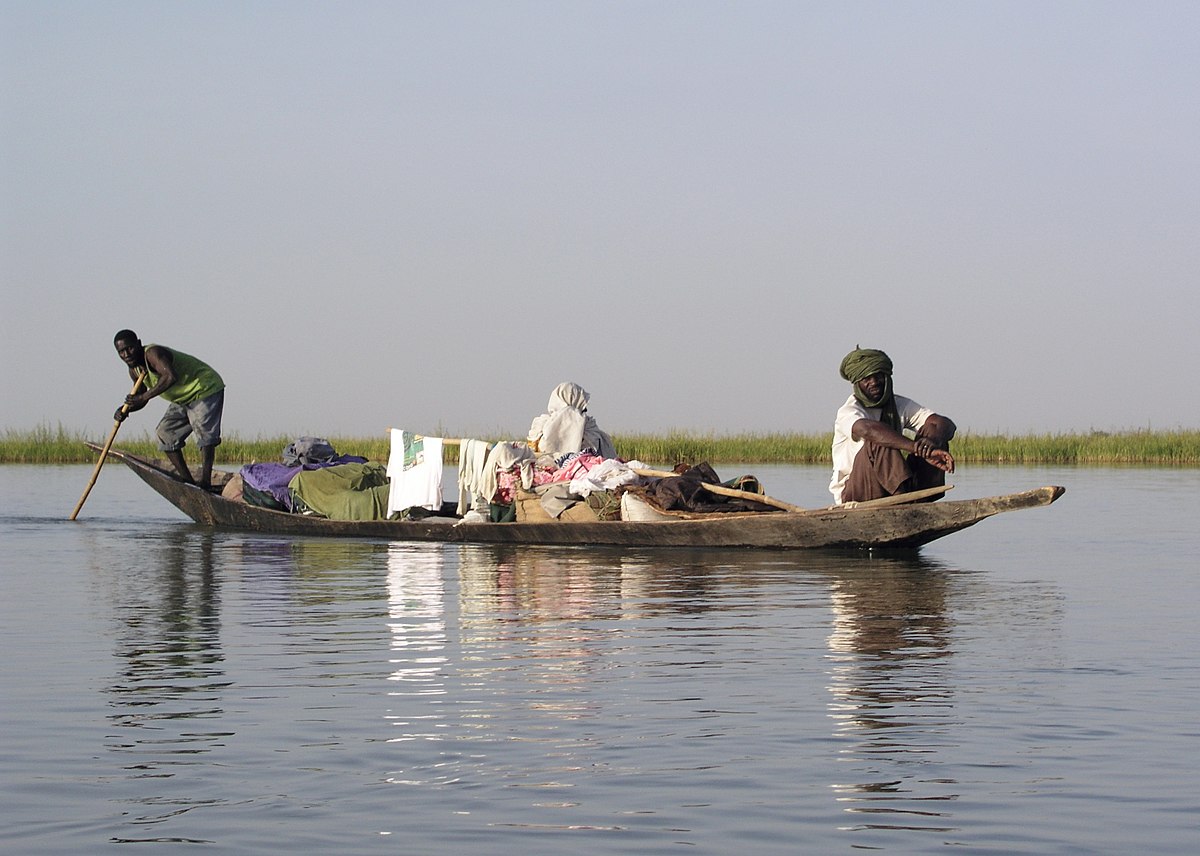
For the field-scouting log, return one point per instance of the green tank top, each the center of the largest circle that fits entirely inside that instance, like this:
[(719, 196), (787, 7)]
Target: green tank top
[(194, 379)]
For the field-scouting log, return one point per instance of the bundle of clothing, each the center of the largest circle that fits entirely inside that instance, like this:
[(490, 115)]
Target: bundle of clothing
[(312, 478), (687, 492), (581, 473)]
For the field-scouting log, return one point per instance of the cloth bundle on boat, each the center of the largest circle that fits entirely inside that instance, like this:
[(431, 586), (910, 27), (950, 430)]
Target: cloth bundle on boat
[(267, 484), (342, 492), (562, 482), (514, 461), (686, 492), (554, 502), (602, 474), (472, 475), (309, 450)]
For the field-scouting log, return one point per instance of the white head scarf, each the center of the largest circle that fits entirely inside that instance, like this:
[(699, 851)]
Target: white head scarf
[(566, 427), (568, 395)]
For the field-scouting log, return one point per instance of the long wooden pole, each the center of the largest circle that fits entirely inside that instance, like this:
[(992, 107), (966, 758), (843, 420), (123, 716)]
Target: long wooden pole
[(137, 385), (899, 498)]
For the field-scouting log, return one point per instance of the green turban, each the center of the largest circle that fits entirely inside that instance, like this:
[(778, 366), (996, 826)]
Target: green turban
[(864, 362)]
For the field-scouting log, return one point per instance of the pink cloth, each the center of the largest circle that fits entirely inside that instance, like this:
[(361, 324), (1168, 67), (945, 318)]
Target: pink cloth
[(576, 467), (508, 480)]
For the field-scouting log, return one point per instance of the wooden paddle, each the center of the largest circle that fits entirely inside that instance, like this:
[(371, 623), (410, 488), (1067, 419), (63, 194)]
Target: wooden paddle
[(899, 498), (137, 385)]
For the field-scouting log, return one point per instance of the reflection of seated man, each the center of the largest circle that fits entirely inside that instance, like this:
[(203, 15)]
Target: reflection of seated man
[(890, 639), (869, 440), (566, 426)]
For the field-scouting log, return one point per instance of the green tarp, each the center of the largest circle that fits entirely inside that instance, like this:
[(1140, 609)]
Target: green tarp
[(343, 492)]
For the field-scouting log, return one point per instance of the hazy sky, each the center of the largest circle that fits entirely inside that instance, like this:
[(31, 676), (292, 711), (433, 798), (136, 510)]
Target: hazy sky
[(426, 215)]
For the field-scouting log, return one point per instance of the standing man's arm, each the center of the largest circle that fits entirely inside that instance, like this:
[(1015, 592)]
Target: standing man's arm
[(161, 364)]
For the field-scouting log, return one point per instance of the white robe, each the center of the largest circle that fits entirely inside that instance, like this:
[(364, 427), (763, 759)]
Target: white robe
[(414, 472)]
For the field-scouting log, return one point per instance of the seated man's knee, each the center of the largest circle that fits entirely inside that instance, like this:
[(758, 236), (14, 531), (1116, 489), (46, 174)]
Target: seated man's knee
[(937, 428)]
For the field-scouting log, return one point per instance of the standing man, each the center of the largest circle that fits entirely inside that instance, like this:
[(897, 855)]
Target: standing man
[(869, 440), (196, 394)]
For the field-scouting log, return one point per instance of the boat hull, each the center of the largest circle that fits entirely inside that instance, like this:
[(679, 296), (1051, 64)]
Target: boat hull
[(893, 527)]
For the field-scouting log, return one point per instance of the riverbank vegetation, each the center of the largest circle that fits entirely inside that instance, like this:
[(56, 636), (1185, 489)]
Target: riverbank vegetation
[(46, 445)]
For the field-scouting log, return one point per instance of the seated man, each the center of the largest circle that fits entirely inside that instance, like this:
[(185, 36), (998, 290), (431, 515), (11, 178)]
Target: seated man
[(869, 440), (196, 394), (566, 426)]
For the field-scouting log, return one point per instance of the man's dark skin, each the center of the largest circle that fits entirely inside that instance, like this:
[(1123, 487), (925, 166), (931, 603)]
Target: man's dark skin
[(930, 445), (160, 362)]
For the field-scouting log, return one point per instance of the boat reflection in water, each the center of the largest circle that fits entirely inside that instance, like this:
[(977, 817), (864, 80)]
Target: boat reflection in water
[(892, 692), (628, 686), (169, 640), (168, 698), (420, 664), (571, 654), (486, 652)]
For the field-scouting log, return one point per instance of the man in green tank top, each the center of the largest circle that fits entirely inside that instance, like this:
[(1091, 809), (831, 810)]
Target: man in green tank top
[(196, 394)]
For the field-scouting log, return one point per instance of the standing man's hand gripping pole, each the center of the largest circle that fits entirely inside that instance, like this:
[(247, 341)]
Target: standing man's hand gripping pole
[(112, 435), (160, 363)]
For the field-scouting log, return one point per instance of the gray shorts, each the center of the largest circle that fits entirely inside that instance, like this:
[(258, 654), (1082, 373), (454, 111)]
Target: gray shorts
[(180, 420)]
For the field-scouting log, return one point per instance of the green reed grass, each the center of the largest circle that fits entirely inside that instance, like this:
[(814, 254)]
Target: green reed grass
[(1180, 448), (688, 448), (58, 445)]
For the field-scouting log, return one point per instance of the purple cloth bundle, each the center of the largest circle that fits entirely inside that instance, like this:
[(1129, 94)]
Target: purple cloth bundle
[(274, 478)]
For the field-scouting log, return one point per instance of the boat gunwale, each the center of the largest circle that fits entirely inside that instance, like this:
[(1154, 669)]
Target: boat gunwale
[(785, 530)]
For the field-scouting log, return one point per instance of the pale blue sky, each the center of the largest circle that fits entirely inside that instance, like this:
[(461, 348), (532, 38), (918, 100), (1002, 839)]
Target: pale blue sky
[(367, 214)]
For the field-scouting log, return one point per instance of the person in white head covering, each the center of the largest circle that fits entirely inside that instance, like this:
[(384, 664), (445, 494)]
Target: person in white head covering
[(566, 426)]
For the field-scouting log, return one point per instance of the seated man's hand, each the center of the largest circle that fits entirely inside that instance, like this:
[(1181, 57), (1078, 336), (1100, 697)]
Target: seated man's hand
[(120, 414), (941, 459)]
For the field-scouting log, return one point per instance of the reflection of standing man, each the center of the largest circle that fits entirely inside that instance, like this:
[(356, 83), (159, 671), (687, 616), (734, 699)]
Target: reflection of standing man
[(869, 440), (196, 394)]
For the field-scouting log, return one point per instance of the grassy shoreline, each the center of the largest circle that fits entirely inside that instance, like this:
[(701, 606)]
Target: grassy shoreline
[(45, 445)]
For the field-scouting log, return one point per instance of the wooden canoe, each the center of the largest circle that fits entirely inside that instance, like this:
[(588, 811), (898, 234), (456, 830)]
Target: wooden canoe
[(890, 526)]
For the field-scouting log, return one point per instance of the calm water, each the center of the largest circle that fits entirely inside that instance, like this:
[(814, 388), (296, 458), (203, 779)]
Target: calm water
[(1030, 685)]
